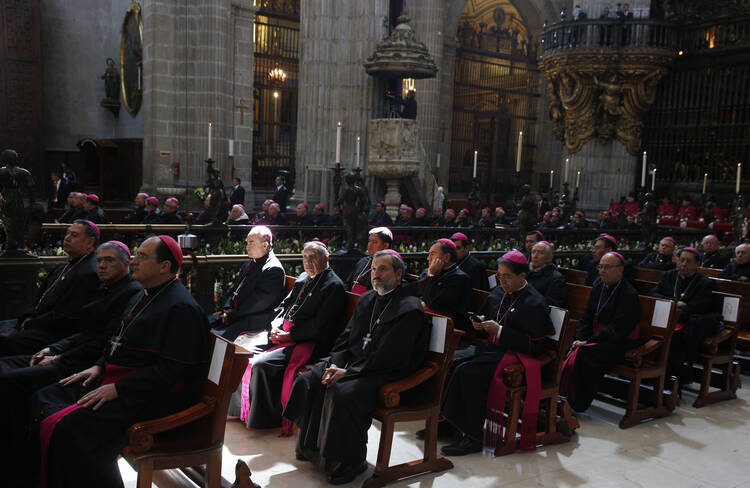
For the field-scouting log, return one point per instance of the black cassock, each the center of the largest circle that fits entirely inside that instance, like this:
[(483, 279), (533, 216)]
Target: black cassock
[(54, 316), (136, 216), (76, 352), (736, 272), (73, 213), (360, 275), (316, 307), (167, 346), (618, 309), (524, 316), (549, 282), (386, 340), (716, 260), (257, 290), (657, 261), (446, 293), (168, 218), (477, 272), (695, 321)]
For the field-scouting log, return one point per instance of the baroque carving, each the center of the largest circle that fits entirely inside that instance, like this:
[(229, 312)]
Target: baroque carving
[(597, 94), (401, 55)]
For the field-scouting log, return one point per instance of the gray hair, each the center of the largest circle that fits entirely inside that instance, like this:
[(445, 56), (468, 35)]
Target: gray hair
[(263, 232), (121, 254), (397, 263), (320, 249)]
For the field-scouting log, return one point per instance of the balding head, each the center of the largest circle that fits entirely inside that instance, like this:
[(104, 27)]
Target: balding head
[(611, 269), (742, 253), (541, 254), (710, 244)]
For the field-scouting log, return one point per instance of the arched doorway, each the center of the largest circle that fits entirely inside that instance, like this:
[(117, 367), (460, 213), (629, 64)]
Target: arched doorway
[(496, 94)]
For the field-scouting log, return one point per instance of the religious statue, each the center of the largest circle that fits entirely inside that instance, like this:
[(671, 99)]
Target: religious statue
[(527, 212), (351, 200), (738, 217), (566, 204), (475, 200), (647, 216), (20, 216), (218, 202), (111, 81)]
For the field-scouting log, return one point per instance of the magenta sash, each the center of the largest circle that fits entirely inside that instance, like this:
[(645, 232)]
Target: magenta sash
[(359, 289), (112, 373), (300, 355), (497, 397)]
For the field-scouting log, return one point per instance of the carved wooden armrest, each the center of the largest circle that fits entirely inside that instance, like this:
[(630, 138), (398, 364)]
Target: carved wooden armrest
[(711, 343), (140, 436), (635, 356), (514, 375), (389, 395)]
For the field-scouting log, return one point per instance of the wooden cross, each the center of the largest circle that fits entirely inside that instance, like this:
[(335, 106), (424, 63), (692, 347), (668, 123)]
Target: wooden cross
[(443, 128), (242, 108)]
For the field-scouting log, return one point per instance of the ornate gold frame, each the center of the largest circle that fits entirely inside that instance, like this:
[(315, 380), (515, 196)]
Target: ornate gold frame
[(134, 9)]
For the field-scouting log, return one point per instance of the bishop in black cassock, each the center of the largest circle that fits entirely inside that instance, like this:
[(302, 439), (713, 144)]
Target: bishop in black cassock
[(469, 264), (606, 331), (603, 244), (739, 270), (258, 289), (711, 257), (333, 403), (149, 370), (139, 211), (544, 276), (358, 281), (693, 293), (516, 319), (308, 321), (662, 259), (67, 289)]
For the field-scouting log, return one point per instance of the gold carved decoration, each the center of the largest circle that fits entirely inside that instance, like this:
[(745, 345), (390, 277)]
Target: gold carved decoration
[(604, 94)]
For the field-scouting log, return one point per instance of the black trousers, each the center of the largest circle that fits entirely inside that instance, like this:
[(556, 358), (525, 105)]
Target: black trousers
[(14, 342)]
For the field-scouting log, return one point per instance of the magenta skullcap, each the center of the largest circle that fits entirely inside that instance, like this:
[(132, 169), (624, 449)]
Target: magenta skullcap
[(93, 197), (143, 195), (459, 236), (381, 230), (618, 256), (174, 248), (546, 243), (516, 257), (153, 201), (499, 208), (394, 253), (382, 203), (451, 210), (320, 206), (609, 238), (264, 231), (304, 204), (318, 243), (692, 250), (668, 238), (448, 242), (174, 200), (95, 227), (122, 245), (422, 209)]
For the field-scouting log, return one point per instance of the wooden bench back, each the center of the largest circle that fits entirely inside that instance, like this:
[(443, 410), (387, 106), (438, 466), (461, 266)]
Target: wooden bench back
[(575, 276), (478, 299), (647, 274), (730, 306), (289, 284), (710, 272), (737, 288), (492, 278), (564, 332), (576, 297), (643, 287)]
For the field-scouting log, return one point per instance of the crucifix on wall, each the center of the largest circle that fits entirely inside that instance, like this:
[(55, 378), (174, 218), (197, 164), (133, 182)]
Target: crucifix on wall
[(242, 106)]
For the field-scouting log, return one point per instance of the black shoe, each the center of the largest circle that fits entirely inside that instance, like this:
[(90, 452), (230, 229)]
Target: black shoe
[(444, 431), (345, 473), (300, 456), (462, 447)]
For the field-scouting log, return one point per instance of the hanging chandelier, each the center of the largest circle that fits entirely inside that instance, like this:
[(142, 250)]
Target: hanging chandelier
[(277, 74)]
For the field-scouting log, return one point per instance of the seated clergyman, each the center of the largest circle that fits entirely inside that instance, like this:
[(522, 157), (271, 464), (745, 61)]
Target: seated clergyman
[(307, 323), (739, 270), (249, 304), (519, 321), (693, 293), (154, 355), (358, 282), (604, 334), (333, 402), (711, 257), (469, 264), (662, 258), (544, 276)]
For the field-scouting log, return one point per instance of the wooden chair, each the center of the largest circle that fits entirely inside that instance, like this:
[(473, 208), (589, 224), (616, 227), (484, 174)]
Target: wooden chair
[(575, 276), (716, 366), (742, 289), (195, 436), (514, 378), (417, 397)]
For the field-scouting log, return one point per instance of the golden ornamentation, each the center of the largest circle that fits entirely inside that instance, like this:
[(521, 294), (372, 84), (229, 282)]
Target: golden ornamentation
[(602, 93)]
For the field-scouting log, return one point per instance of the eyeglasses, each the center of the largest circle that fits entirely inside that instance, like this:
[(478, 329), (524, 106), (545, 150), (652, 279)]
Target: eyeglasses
[(607, 267)]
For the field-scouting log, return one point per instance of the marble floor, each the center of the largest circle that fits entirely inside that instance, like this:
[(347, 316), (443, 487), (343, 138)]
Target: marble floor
[(706, 447)]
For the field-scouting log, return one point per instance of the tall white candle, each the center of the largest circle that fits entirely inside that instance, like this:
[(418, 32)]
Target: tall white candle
[(705, 177), (567, 160), (474, 175), (578, 178), (518, 153), (551, 179), (739, 177), (209, 139), (653, 179), (643, 170), (357, 157), (338, 142), (438, 160)]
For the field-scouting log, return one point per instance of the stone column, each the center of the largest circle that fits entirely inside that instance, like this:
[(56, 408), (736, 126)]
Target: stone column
[(197, 59), (336, 36)]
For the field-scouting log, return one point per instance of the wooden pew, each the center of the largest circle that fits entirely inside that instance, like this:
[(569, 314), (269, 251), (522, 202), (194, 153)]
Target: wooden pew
[(710, 272), (575, 276), (646, 274), (640, 380), (742, 289)]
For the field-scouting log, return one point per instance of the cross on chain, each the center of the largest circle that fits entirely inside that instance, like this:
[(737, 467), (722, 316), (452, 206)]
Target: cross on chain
[(367, 339)]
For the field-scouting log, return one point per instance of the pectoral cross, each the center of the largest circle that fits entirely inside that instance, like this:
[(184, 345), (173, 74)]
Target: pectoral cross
[(367, 340), (242, 108), (114, 344)]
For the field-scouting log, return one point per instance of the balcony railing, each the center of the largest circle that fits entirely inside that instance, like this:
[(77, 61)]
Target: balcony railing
[(610, 34)]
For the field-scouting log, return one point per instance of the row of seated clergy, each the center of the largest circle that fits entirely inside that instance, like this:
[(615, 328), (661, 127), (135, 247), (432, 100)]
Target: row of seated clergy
[(23, 375), (695, 321), (161, 343)]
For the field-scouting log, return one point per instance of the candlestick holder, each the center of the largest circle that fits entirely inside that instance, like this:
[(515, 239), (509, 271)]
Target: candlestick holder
[(738, 217), (337, 179), (475, 200), (215, 186)]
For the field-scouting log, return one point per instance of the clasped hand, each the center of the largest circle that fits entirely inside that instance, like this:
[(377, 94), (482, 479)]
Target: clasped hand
[(279, 336), (489, 326), (97, 397), (331, 374)]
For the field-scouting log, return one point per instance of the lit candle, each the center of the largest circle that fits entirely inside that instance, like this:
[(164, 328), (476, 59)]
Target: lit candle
[(139, 77), (567, 160), (739, 176), (338, 142), (438, 160), (209, 139), (705, 177), (551, 179), (474, 175), (357, 152), (518, 153), (653, 179), (643, 170), (578, 178)]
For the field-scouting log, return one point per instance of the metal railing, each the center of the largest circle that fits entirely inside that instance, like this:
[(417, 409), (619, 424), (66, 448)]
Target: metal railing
[(610, 34)]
